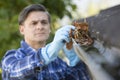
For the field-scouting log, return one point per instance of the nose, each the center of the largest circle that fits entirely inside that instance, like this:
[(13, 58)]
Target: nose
[(39, 26)]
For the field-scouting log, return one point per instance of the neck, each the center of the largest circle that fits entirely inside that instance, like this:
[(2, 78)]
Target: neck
[(36, 45)]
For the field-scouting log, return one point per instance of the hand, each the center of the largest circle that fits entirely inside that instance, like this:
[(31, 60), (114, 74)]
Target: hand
[(62, 35), (71, 55), (99, 45), (51, 50)]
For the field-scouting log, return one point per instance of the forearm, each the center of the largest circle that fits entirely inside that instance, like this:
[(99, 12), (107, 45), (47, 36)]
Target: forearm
[(74, 61), (50, 52), (71, 55)]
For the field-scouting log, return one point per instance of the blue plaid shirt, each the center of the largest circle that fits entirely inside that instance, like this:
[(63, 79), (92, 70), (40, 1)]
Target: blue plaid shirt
[(26, 63)]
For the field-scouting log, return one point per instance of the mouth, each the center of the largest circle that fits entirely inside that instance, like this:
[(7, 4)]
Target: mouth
[(40, 34)]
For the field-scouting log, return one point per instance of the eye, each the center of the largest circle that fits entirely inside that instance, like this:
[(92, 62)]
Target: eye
[(44, 22), (34, 23)]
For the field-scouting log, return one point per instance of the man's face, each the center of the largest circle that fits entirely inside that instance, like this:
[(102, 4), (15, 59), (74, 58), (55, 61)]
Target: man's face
[(36, 27)]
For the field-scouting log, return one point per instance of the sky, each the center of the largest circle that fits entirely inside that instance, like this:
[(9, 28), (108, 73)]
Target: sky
[(84, 5), (86, 8)]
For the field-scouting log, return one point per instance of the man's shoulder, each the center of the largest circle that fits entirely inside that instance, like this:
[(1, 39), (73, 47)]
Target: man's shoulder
[(10, 52), (8, 55)]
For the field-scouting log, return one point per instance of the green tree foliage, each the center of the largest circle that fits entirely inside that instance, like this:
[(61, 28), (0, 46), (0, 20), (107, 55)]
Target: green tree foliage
[(9, 11)]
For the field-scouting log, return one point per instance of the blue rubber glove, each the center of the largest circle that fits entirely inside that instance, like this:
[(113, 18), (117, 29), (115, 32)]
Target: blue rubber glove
[(71, 55), (50, 51)]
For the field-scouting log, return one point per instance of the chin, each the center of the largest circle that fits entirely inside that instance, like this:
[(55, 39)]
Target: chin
[(42, 40)]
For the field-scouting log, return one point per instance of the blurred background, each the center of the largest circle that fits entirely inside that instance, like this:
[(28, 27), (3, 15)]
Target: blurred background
[(62, 12)]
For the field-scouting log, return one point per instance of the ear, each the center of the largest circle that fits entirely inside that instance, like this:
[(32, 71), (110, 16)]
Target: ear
[(21, 29)]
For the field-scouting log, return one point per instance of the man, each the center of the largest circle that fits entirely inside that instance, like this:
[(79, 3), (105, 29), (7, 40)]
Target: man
[(35, 60)]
